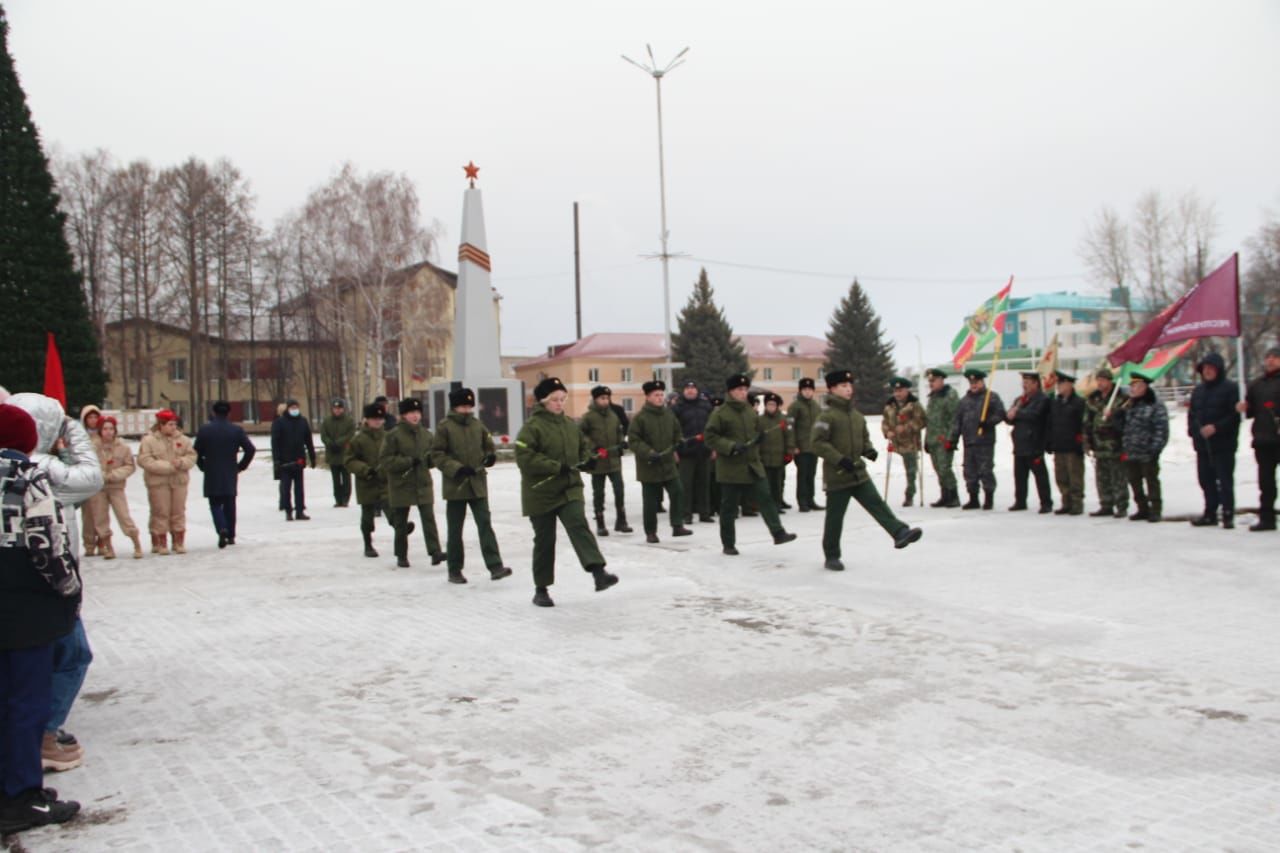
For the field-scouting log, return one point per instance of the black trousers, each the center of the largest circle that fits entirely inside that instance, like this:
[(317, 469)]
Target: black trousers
[(223, 510), (652, 497), (695, 480), (1217, 470), (1023, 466), (341, 484), (291, 480), (1268, 457), (806, 475), (597, 492), (369, 514)]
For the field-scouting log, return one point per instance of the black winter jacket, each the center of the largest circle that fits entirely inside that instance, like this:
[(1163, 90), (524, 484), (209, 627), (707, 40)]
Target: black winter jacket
[(1263, 400), (1066, 424), (1215, 403), (216, 446), (291, 440), (693, 415), (1030, 424)]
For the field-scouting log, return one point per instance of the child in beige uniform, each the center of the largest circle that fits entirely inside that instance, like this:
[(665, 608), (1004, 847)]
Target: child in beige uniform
[(117, 467), (166, 457)]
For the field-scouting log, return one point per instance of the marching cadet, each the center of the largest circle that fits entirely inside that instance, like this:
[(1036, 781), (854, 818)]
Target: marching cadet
[(903, 419), (773, 450), (1146, 432), (406, 461), (603, 429), (692, 410), (803, 414), (463, 451), (361, 460), (977, 415), (551, 452), (657, 441), (1103, 432), (940, 422), (734, 433), (336, 431), (841, 438), (1066, 443), (1030, 418)]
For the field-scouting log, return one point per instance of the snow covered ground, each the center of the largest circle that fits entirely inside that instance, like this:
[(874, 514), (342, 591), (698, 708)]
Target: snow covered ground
[(1011, 682)]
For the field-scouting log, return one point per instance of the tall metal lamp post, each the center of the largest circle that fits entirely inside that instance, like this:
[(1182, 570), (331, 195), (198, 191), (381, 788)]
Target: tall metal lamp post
[(651, 68)]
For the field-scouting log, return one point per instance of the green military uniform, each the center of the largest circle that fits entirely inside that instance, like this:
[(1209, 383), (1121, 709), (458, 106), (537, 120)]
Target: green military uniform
[(656, 438), (463, 450), (733, 432), (901, 426), (336, 432), (603, 429), (549, 449), (773, 451), (406, 461), (361, 459), (841, 439), (1103, 438), (940, 422), (803, 414)]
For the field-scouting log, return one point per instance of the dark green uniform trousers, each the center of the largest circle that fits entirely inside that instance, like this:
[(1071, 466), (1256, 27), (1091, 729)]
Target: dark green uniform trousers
[(341, 484), (775, 476), (838, 503), (911, 464), (943, 465), (1068, 471), (1144, 479), (806, 476), (695, 482), (455, 513), (597, 492), (368, 515), (732, 495), (1112, 482), (652, 493), (573, 518), (399, 517)]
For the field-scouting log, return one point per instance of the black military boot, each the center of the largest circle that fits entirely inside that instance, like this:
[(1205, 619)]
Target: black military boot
[(604, 579), (602, 529), (972, 503), (816, 506), (953, 498), (1102, 512), (497, 574), (542, 598), (652, 538), (301, 515), (989, 499), (288, 515), (620, 524), (681, 531), (942, 499), (456, 576), (906, 535), (1266, 521), (402, 562), (368, 546), (1141, 513), (782, 537), (1018, 506), (1206, 520), (1228, 520), (833, 564), (909, 500)]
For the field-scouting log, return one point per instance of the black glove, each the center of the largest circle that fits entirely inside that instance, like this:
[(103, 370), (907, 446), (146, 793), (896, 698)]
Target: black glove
[(681, 447), (416, 462), (464, 472), (654, 457), (738, 450), (759, 438), (871, 453), (589, 465), (845, 464), (564, 469), (489, 460)]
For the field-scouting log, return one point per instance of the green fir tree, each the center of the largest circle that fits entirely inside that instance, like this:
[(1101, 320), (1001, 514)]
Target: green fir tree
[(705, 342), (856, 343), (39, 287)]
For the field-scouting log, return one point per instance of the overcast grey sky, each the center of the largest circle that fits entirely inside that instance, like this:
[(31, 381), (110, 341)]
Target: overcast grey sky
[(931, 148)]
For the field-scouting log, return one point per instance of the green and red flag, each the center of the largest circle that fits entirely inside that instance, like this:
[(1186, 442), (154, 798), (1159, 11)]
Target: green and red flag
[(982, 327), (1160, 362)]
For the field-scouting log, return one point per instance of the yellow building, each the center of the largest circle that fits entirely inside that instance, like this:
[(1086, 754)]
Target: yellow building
[(624, 362)]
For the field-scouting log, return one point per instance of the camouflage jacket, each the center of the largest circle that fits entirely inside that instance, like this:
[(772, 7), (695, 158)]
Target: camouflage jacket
[(940, 416), (902, 423), (1103, 430)]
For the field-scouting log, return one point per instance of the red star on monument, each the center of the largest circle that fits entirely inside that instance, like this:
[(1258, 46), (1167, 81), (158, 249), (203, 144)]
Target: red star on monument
[(472, 170)]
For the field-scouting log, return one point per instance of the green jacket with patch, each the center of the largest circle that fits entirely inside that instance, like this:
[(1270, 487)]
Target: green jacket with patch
[(603, 428), (546, 444), (406, 460), (462, 441), (841, 431), (776, 442), (336, 433), (362, 459), (803, 414), (940, 416), (735, 423), (655, 429)]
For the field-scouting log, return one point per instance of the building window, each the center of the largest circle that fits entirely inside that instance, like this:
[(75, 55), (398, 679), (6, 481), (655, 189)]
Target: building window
[(1022, 326), (593, 374), (628, 405), (768, 374), (1057, 322), (795, 373), (822, 371), (177, 370), (626, 374)]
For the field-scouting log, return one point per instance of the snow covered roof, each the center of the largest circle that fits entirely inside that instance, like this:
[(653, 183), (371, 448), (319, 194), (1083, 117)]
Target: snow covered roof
[(644, 345)]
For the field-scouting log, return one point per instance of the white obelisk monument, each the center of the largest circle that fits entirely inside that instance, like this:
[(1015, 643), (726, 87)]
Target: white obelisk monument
[(476, 345)]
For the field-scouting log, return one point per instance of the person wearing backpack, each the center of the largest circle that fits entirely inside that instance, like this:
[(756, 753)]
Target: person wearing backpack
[(39, 602)]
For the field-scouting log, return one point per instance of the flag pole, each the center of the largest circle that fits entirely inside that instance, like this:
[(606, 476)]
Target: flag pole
[(986, 400), (1239, 334)]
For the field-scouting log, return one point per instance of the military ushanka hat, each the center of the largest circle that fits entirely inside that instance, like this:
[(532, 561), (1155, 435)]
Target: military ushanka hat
[(771, 397), (975, 373), (544, 388), (337, 403), (899, 382), (806, 383), (737, 380), (656, 385), (461, 397), (601, 391), (410, 404), (375, 410), (835, 377)]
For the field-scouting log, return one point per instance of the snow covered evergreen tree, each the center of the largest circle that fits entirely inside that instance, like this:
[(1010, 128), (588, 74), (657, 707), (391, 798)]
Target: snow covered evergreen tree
[(705, 342), (856, 342)]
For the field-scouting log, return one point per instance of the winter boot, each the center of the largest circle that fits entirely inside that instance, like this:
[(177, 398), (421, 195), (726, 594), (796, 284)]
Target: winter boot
[(159, 544), (942, 499), (137, 546), (953, 498), (906, 535), (973, 500), (369, 550), (681, 531), (224, 539), (1154, 515), (542, 598), (604, 579), (989, 498), (782, 537), (1102, 512), (652, 538), (1142, 513), (288, 515), (180, 542), (1266, 521), (602, 529), (1228, 523), (108, 553), (833, 565), (456, 577), (498, 573), (301, 515), (1206, 520), (59, 756), (620, 524)]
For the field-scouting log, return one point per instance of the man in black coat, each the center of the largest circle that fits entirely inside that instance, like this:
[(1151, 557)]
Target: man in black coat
[(216, 445), (1029, 415), (291, 447), (1066, 443), (1214, 426), (1262, 403), (692, 410)]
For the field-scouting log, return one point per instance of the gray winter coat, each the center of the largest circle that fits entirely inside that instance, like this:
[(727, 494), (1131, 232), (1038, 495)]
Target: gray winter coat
[(1146, 428)]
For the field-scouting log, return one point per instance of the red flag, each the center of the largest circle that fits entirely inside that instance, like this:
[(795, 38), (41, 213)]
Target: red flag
[(54, 386), (1212, 307)]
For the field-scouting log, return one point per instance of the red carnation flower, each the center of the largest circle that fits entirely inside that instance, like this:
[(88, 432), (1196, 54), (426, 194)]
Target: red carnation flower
[(1270, 404)]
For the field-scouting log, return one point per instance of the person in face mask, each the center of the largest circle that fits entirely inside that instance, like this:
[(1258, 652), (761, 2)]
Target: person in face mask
[(291, 450)]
